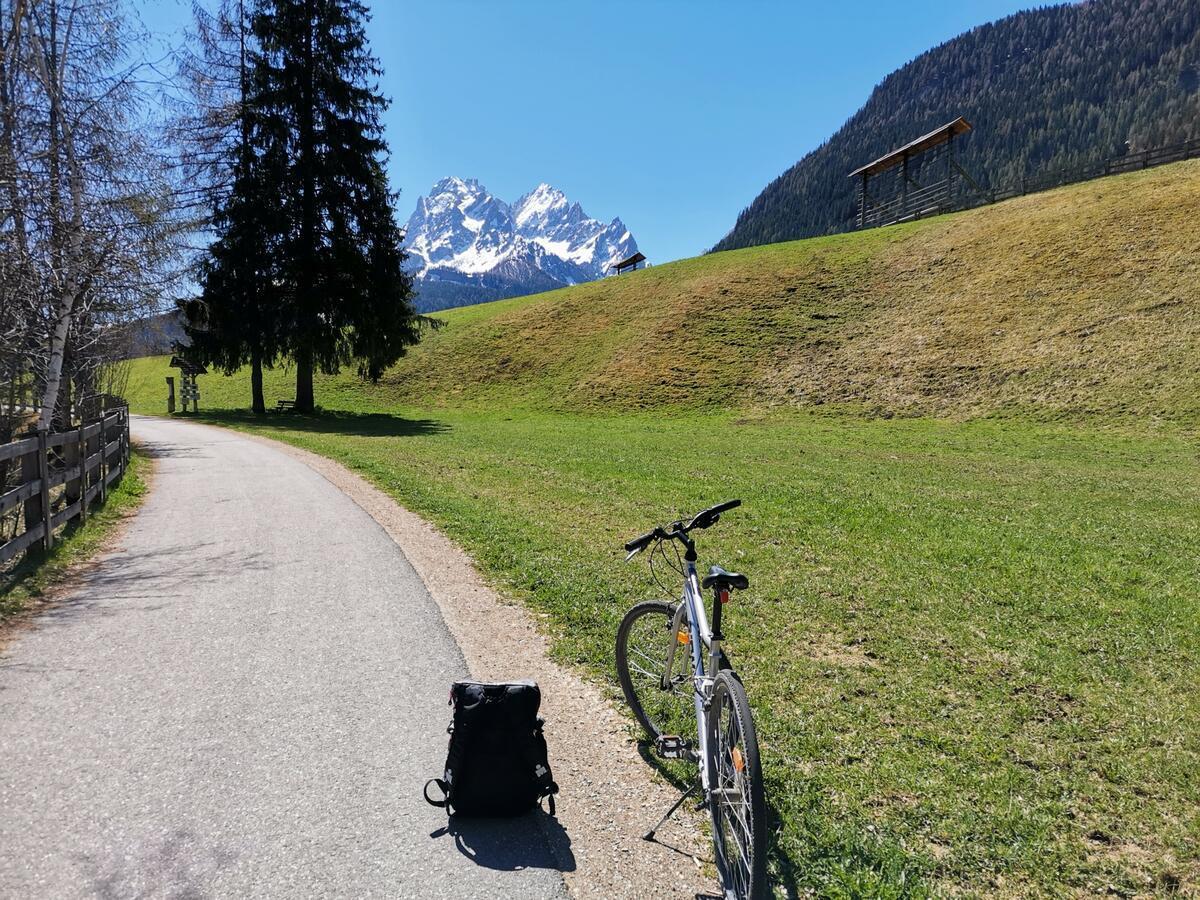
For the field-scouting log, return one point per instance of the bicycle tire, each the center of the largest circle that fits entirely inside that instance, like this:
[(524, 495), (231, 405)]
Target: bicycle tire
[(650, 704), (746, 877)]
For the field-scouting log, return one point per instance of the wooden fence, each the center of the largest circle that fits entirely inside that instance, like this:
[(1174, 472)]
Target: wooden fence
[(939, 198), (59, 476)]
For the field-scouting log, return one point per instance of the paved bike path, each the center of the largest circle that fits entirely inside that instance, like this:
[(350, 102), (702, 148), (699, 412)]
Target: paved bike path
[(243, 698)]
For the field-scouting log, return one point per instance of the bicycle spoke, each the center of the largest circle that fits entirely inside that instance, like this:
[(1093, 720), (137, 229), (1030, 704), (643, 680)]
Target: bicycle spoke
[(652, 660), (653, 676)]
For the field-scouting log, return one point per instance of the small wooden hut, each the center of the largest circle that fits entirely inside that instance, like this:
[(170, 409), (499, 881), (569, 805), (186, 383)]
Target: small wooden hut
[(921, 178), (632, 264)]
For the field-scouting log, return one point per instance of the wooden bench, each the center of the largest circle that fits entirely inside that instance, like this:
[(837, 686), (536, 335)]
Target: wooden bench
[(285, 405)]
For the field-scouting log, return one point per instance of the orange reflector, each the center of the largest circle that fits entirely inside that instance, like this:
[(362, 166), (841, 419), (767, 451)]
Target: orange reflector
[(738, 762), (682, 636)]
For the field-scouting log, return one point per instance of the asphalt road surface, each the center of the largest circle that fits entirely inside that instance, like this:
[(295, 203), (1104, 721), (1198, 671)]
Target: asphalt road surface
[(244, 698)]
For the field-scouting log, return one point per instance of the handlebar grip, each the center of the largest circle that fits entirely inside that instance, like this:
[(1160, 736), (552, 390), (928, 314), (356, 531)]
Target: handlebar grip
[(639, 543), (708, 517)]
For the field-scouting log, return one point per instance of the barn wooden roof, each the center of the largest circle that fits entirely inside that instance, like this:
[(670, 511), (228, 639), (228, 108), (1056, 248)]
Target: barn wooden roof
[(188, 367), (935, 138), (632, 261)]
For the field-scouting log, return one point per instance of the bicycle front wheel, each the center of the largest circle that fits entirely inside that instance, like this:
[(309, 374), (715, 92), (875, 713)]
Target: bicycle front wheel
[(737, 804), (642, 643)]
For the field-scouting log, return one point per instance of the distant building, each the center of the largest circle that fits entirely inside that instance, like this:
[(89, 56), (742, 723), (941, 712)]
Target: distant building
[(632, 264), (922, 178)]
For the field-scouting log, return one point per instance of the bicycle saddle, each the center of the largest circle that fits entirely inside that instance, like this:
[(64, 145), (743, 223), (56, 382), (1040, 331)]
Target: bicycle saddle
[(725, 581)]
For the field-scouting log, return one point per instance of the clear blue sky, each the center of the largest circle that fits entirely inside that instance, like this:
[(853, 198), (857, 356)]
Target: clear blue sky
[(672, 114)]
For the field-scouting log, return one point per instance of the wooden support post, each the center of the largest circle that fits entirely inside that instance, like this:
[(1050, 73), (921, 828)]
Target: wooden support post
[(950, 171), (44, 474), (170, 395), (30, 470), (102, 467), (81, 453), (862, 201), (904, 185), (71, 488)]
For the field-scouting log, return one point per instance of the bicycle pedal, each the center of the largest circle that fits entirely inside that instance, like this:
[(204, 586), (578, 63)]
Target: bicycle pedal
[(671, 746)]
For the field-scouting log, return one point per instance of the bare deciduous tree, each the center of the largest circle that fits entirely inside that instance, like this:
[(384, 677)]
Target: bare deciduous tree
[(89, 222)]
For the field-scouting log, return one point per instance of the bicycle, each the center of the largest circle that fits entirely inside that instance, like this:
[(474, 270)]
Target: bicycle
[(666, 691)]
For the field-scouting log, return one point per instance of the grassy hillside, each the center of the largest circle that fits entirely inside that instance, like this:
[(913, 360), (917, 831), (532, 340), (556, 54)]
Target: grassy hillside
[(972, 645), (1077, 304)]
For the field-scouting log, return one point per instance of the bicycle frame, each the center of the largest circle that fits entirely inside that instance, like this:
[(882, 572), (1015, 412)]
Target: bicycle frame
[(702, 638)]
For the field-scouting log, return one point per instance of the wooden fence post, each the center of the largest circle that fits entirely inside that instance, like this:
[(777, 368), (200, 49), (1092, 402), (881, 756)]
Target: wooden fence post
[(81, 452), (44, 473), (102, 466), (29, 474), (70, 452)]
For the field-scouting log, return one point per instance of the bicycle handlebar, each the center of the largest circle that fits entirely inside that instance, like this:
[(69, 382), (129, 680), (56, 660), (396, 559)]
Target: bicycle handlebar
[(704, 519), (640, 543)]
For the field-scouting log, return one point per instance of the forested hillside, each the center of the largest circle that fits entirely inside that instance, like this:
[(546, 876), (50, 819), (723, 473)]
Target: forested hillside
[(1048, 88)]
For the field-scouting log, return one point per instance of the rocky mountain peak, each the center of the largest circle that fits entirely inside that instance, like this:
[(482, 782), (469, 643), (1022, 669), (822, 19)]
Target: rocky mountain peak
[(461, 234)]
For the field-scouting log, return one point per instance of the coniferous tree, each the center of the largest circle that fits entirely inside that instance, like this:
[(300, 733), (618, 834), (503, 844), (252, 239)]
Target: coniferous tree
[(235, 320), (343, 294)]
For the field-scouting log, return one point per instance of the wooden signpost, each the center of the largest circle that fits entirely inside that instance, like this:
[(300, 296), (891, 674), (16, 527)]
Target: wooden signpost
[(189, 391)]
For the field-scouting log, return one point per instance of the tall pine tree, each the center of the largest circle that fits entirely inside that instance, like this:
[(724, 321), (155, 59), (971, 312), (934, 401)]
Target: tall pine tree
[(235, 320), (319, 149)]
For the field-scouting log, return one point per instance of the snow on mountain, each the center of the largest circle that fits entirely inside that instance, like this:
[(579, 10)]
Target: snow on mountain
[(466, 245)]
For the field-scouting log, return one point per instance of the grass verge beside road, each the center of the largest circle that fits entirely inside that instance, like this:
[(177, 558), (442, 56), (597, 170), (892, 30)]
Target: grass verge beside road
[(38, 573), (971, 647)]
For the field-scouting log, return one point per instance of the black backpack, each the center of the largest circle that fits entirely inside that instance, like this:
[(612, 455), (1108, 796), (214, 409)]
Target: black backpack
[(497, 763)]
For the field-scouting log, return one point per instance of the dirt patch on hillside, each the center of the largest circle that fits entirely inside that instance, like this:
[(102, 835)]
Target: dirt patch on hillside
[(609, 795)]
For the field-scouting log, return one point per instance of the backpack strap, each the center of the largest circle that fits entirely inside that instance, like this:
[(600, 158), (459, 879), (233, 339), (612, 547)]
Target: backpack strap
[(454, 757), (537, 755), (443, 787)]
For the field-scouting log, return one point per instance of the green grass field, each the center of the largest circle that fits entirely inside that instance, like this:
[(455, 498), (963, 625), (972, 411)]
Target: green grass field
[(972, 637)]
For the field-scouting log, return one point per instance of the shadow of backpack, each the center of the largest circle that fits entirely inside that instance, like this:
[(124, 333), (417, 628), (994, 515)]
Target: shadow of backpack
[(497, 763)]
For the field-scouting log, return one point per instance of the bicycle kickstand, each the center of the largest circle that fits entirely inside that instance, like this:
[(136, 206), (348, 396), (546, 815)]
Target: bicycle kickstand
[(649, 835)]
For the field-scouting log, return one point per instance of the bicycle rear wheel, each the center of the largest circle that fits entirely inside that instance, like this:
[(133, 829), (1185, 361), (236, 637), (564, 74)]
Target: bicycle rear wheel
[(642, 642), (738, 806)]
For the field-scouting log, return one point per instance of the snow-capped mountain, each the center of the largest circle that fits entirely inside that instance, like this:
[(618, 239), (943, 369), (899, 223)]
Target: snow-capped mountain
[(467, 246)]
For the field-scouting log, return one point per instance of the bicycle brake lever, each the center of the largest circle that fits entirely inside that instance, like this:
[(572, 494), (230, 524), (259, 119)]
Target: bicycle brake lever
[(633, 553)]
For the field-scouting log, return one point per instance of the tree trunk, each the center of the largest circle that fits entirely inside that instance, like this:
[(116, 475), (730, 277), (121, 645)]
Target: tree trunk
[(60, 419), (257, 404), (304, 381), (67, 250), (58, 347), (308, 223)]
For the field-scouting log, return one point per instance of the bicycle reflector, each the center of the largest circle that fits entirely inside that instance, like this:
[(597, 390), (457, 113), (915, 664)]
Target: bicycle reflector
[(724, 595), (738, 762)]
